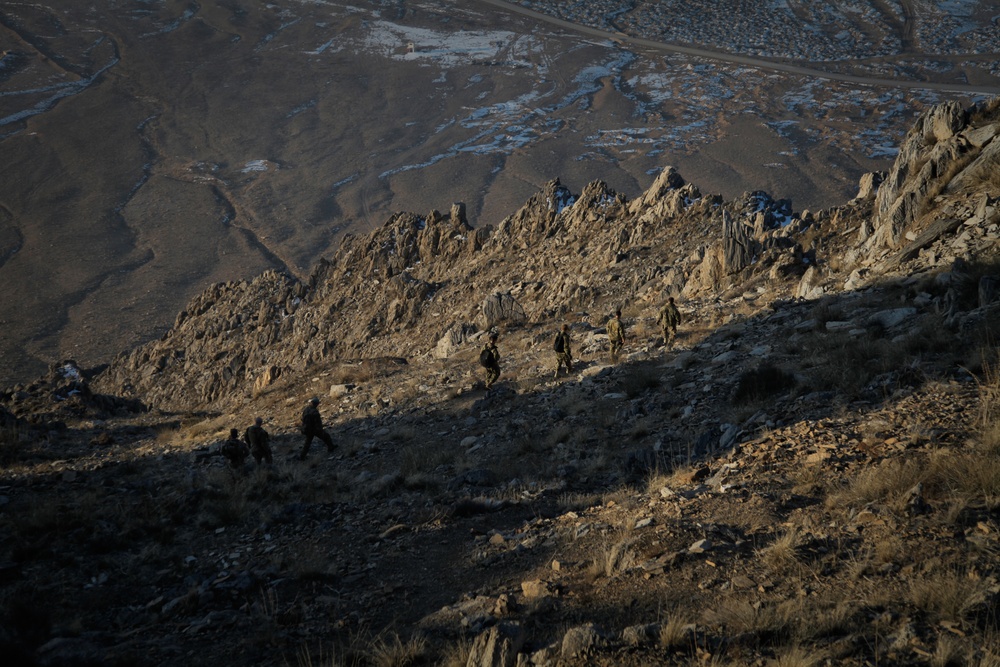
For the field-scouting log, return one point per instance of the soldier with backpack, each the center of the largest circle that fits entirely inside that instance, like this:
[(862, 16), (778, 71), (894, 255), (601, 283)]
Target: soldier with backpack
[(668, 319), (616, 335), (235, 450), (312, 427), (489, 358), (259, 441), (564, 354)]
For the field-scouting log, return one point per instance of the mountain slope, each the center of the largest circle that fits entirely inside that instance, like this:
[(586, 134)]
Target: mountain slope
[(801, 481)]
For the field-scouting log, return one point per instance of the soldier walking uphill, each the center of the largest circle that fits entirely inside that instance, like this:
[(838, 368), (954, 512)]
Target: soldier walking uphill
[(235, 450), (489, 358), (668, 319), (259, 441), (312, 427), (564, 354), (616, 335)]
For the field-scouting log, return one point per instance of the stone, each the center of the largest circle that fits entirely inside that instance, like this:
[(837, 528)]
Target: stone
[(536, 588), (725, 357), (453, 340), (497, 647), (700, 547), (265, 379), (698, 474), (501, 307), (340, 390), (580, 640), (640, 635), (809, 285), (869, 183), (892, 317)]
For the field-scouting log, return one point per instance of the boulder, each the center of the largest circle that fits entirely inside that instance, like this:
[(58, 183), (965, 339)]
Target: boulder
[(738, 247), (498, 308), (580, 640), (810, 287), (453, 339), (868, 185), (497, 646)]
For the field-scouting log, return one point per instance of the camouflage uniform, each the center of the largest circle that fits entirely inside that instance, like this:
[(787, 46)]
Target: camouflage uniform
[(234, 449), (668, 319), (565, 357), (260, 442), (493, 367), (312, 427), (616, 335)]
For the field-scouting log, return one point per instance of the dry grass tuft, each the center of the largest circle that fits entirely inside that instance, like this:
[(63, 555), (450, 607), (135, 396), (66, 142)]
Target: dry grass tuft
[(612, 559), (199, 431), (578, 501), (948, 595), (989, 658), (949, 652), (821, 621), (423, 458), (782, 554), (641, 379), (769, 623), (457, 654), (676, 632), (887, 483), (989, 397), (389, 650), (798, 656), (305, 658), (760, 383)]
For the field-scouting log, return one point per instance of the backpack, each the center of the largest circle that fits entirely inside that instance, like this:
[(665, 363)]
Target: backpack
[(485, 357), (559, 343)]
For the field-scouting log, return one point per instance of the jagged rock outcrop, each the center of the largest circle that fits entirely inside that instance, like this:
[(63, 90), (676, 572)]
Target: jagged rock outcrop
[(66, 390), (557, 253), (453, 339), (536, 220), (386, 293), (237, 338), (497, 647), (754, 237), (499, 308), (948, 147)]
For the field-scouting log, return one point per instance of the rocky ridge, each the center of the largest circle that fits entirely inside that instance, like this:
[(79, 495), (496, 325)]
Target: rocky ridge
[(802, 476)]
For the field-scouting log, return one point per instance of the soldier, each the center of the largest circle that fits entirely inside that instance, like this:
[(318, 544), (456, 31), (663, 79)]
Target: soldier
[(489, 358), (312, 427), (235, 450), (668, 320), (259, 441), (616, 334), (564, 354)]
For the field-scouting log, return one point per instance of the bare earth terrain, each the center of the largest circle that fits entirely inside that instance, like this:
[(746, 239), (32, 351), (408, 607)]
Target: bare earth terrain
[(151, 149)]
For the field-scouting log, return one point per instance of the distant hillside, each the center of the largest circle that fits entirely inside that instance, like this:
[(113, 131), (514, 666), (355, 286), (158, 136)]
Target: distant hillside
[(153, 151)]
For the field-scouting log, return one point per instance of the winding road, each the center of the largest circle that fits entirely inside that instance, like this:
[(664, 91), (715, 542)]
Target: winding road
[(759, 63)]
